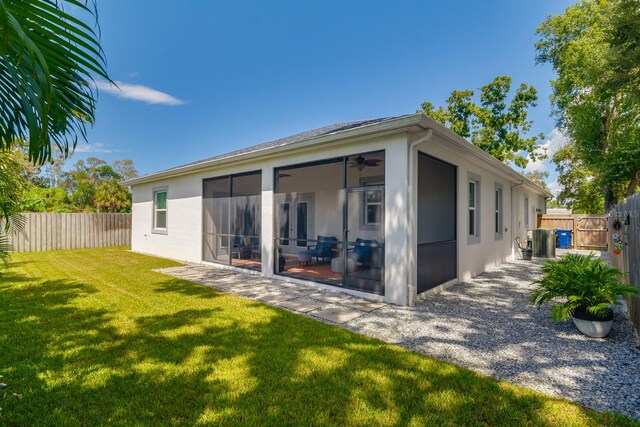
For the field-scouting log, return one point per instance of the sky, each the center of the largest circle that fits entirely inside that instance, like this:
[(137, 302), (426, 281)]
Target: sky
[(199, 78)]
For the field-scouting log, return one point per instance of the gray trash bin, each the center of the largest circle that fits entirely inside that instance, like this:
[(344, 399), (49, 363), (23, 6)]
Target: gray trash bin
[(544, 242)]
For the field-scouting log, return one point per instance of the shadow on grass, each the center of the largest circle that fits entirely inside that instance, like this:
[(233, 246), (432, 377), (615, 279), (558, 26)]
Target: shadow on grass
[(185, 288), (229, 361)]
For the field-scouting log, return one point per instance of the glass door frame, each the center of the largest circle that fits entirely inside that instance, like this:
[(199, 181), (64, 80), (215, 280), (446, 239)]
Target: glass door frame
[(346, 242)]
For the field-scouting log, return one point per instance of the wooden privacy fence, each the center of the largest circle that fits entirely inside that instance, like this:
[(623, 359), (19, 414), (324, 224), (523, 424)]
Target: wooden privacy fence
[(54, 231), (624, 248), (589, 231)]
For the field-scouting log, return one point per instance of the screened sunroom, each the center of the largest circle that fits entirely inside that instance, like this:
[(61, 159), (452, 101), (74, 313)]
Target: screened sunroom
[(330, 221), (232, 206)]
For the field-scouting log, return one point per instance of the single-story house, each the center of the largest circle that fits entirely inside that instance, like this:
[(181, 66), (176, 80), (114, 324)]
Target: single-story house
[(387, 209)]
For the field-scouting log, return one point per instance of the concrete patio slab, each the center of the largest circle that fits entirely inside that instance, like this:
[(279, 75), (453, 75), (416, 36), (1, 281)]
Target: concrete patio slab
[(302, 305), (276, 298), (302, 292), (337, 315), (363, 304), (333, 298)]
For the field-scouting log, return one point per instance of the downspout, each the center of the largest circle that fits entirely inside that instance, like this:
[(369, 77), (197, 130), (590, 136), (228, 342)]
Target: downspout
[(514, 251), (412, 240)]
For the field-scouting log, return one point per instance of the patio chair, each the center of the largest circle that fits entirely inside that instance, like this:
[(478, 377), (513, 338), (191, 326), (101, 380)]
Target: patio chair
[(241, 247), (256, 250), (324, 248), (525, 251), (362, 252)]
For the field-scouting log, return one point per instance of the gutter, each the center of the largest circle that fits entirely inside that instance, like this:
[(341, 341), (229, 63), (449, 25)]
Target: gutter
[(412, 290)]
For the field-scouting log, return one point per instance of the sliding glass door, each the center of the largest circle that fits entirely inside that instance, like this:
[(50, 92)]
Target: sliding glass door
[(232, 207), (364, 235)]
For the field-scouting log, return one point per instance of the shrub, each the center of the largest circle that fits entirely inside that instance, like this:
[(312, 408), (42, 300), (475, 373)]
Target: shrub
[(585, 283)]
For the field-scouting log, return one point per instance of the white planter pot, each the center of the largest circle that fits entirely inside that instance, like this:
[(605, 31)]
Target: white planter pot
[(593, 328)]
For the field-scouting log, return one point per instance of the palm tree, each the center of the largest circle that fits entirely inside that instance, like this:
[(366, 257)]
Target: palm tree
[(48, 59), (112, 197)]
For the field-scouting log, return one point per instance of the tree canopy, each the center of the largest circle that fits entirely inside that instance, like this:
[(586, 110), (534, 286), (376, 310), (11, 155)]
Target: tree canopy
[(592, 49), (89, 185), (498, 124)]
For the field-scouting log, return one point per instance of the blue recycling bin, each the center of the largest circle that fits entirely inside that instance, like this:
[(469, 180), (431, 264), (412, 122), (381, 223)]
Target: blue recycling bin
[(564, 238)]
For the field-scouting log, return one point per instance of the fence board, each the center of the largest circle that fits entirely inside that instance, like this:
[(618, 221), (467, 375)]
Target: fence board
[(56, 231), (589, 231), (627, 213)]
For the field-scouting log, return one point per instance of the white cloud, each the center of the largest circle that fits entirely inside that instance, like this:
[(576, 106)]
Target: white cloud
[(92, 148), (554, 142), (138, 93), (555, 187), (538, 165)]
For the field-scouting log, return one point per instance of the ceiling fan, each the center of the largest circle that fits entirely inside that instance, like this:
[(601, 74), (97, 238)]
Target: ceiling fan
[(360, 162)]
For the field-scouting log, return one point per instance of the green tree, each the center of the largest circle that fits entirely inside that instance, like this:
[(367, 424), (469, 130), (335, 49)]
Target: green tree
[(595, 102), (40, 199), (125, 169), (48, 59), (580, 188), (12, 184), (623, 58), (539, 177), (112, 197), (86, 177), (498, 124), (84, 191), (53, 170)]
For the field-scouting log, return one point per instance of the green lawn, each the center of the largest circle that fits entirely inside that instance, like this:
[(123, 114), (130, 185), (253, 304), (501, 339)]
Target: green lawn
[(94, 336)]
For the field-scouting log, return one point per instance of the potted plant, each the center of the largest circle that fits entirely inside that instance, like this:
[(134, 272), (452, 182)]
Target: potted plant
[(587, 286)]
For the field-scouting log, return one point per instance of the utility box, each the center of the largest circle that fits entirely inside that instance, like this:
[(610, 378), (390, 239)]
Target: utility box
[(544, 242)]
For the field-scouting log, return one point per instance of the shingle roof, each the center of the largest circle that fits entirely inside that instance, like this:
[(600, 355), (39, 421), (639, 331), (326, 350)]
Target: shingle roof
[(298, 137)]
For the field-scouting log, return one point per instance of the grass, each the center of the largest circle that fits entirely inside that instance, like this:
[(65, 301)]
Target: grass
[(94, 337)]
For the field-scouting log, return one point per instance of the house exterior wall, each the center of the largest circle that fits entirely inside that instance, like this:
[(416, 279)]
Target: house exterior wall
[(183, 239), (476, 255)]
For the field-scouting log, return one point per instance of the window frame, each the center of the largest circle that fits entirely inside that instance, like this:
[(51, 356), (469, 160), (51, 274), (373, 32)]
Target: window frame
[(365, 210), (154, 211), (499, 211), (476, 181), (526, 211)]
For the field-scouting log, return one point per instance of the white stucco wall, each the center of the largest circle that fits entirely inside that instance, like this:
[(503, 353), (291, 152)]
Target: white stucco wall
[(183, 240), (476, 255)]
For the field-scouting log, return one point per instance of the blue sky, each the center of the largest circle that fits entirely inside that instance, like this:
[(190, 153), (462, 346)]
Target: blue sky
[(200, 78)]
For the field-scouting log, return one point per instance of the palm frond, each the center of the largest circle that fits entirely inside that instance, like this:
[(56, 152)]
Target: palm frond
[(582, 283), (48, 58), (5, 250)]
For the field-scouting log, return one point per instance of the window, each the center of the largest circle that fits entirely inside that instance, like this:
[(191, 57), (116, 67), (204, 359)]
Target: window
[(526, 211), (498, 212), (473, 208), (160, 210), (373, 207)]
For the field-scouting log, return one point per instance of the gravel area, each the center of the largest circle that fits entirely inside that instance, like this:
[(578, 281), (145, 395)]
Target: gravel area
[(487, 325)]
